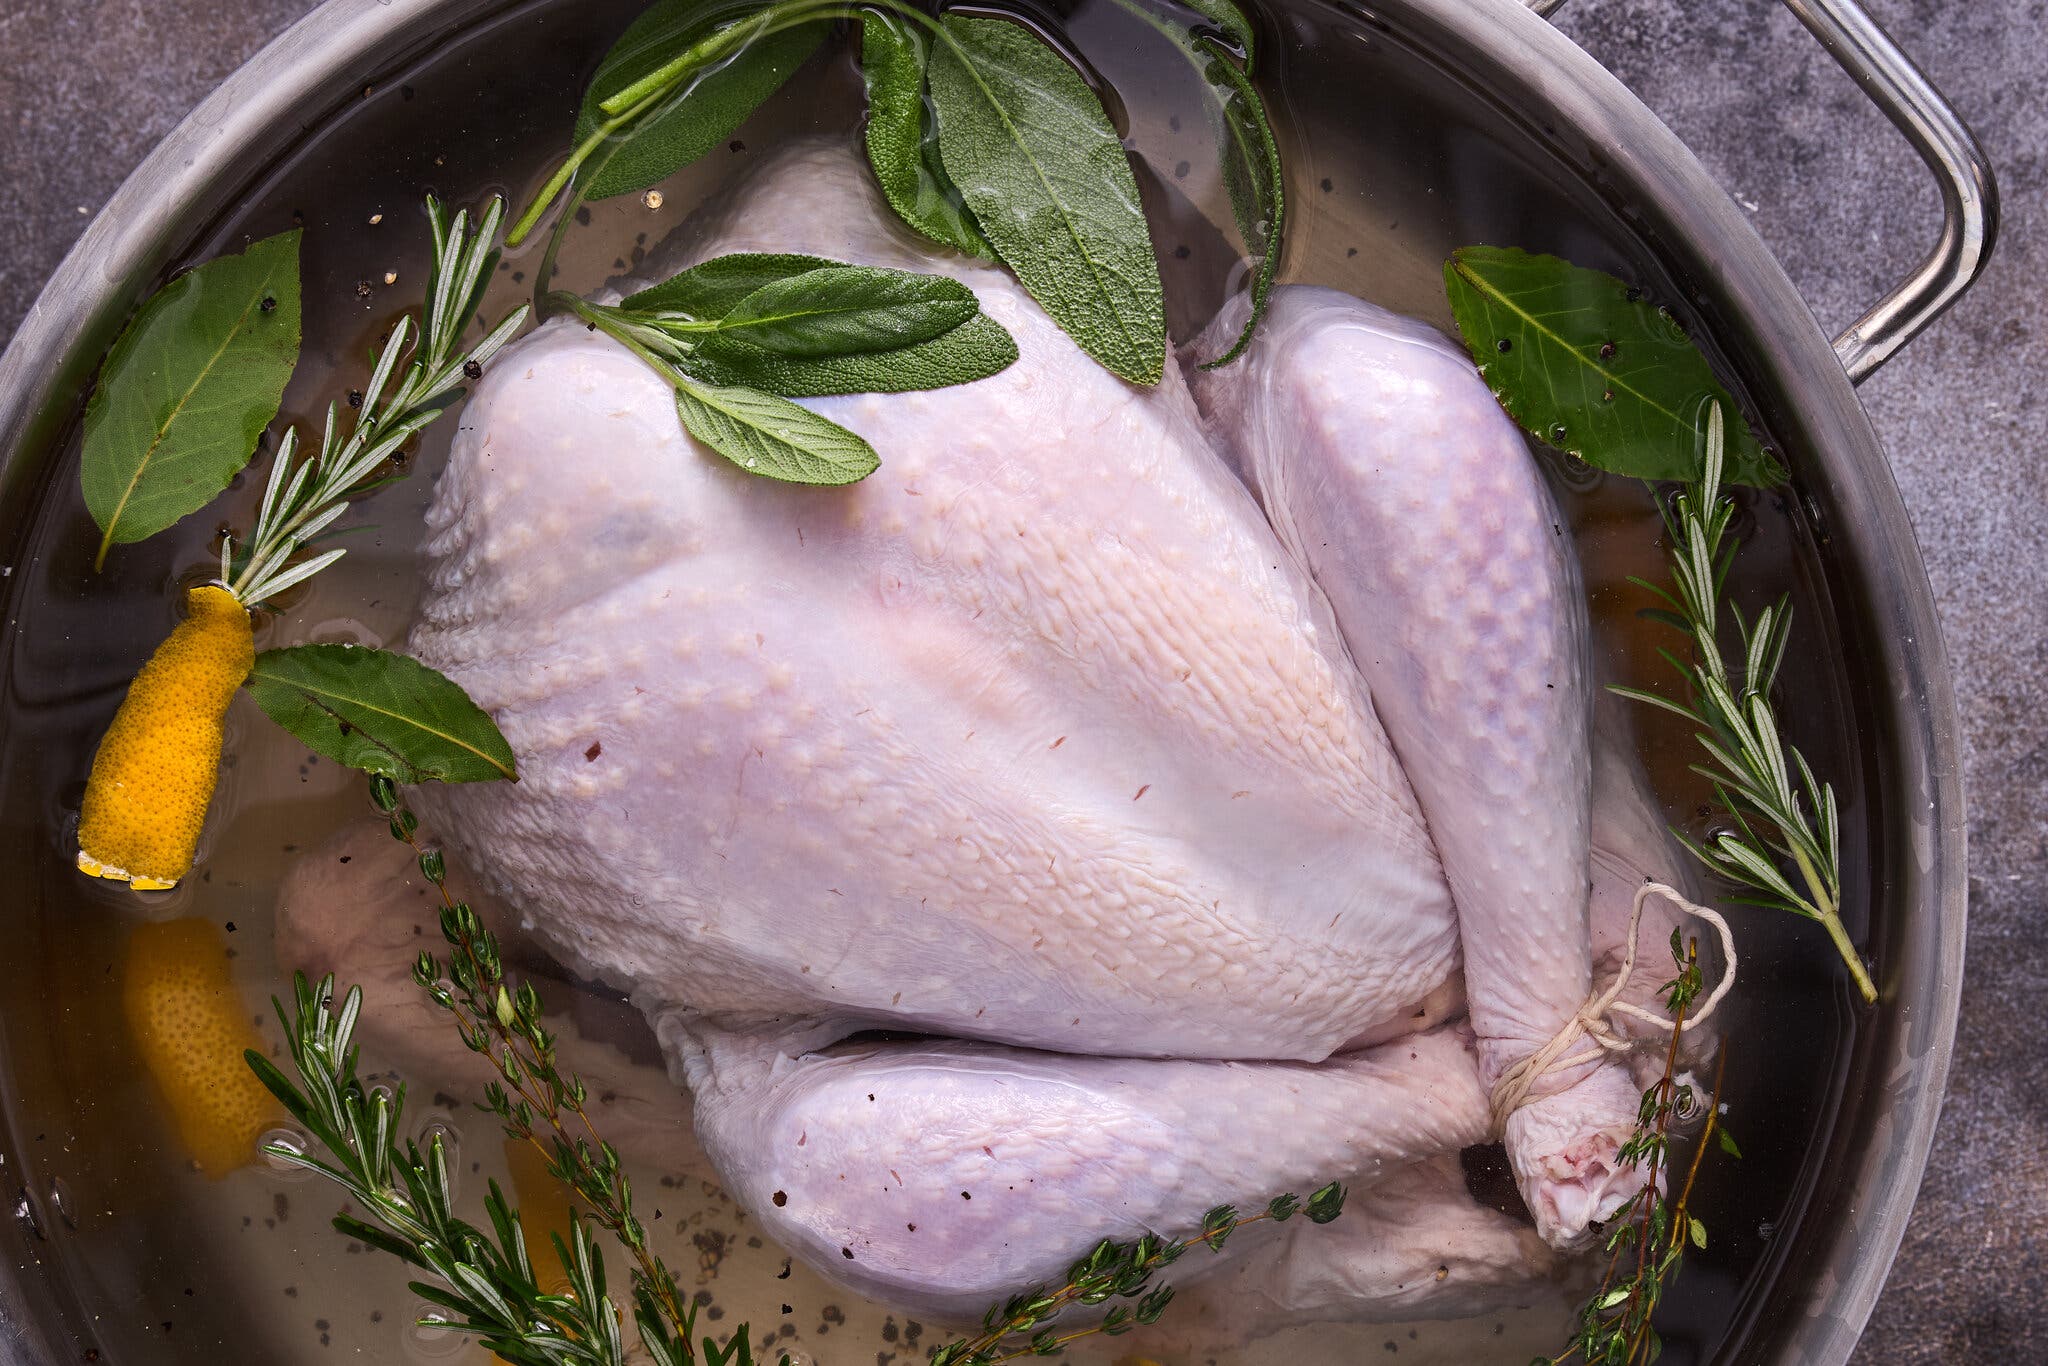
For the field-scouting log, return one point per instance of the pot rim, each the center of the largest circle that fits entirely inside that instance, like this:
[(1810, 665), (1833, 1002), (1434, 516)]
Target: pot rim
[(209, 156)]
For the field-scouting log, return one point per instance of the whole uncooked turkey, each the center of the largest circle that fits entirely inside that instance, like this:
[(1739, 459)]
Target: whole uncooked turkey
[(1182, 763)]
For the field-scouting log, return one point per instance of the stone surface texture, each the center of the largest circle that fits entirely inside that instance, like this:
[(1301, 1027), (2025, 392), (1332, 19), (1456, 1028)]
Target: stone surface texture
[(87, 87)]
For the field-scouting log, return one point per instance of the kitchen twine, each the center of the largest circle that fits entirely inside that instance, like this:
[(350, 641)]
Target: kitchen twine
[(1595, 1020)]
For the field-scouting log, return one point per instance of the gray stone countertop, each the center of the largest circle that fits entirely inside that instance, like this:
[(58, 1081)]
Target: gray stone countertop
[(87, 87)]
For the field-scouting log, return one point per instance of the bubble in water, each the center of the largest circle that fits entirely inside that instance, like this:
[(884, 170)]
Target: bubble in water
[(429, 1335), (344, 631), (60, 1200), (25, 1215), (290, 1140)]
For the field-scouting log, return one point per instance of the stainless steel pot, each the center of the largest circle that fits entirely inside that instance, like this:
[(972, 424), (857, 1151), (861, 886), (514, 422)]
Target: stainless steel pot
[(1828, 1276)]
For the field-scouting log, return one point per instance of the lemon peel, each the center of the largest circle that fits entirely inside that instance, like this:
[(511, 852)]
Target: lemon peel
[(190, 1025), (154, 772), (543, 1204)]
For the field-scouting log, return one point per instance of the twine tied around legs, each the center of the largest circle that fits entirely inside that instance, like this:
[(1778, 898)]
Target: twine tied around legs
[(1595, 1020)]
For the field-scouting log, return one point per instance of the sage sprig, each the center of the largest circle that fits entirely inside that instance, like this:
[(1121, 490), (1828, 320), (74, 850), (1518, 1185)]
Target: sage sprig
[(982, 138), (903, 141), (1050, 185), (738, 336), (694, 320), (188, 389)]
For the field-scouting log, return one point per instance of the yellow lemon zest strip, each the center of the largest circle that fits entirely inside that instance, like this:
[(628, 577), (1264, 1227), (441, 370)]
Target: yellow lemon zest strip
[(155, 770), (190, 1026)]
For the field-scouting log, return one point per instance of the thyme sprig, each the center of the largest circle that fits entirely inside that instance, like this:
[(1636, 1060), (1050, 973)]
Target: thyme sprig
[(304, 496), (1647, 1237), (1020, 1326), (484, 1285), (1780, 820), (538, 1103)]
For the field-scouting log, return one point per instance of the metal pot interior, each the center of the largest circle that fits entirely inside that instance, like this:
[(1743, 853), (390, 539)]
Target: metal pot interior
[(1410, 128)]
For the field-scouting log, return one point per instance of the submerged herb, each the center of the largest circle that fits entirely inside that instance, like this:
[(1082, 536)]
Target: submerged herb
[(903, 142), (1647, 1238), (982, 138), (1112, 1270), (305, 496), (1588, 364), (380, 712), (187, 390), (1558, 324), (485, 1283), (1780, 819)]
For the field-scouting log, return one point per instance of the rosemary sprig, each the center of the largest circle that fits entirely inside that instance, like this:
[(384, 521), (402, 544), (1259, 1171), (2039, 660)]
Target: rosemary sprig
[(1779, 820), (485, 1283), (1647, 1237), (305, 496), (1020, 1326)]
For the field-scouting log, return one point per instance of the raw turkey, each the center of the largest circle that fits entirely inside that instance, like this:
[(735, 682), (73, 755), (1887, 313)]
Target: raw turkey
[(1203, 772)]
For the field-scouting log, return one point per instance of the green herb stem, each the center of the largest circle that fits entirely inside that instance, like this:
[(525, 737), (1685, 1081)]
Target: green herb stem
[(402, 398), (1783, 813), (653, 90)]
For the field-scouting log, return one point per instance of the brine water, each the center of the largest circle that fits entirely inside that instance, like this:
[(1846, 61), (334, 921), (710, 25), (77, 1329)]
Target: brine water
[(1393, 160)]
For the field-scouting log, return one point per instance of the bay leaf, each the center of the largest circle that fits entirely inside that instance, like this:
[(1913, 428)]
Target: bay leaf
[(1037, 160), (974, 350), (709, 106), (902, 139), (848, 310), (188, 388), (381, 712), (772, 437), (1582, 361)]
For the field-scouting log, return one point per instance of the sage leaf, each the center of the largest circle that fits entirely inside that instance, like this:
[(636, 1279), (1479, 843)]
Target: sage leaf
[(903, 141), (381, 712), (710, 104), (974, 350), (188, 388), (1254, 178), (1585, 363), (711, 288), (847, 310), (1038, 162), (772, 437), (1231, 22)]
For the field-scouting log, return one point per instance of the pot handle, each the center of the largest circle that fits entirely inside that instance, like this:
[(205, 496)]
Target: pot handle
[(1969, 194)]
